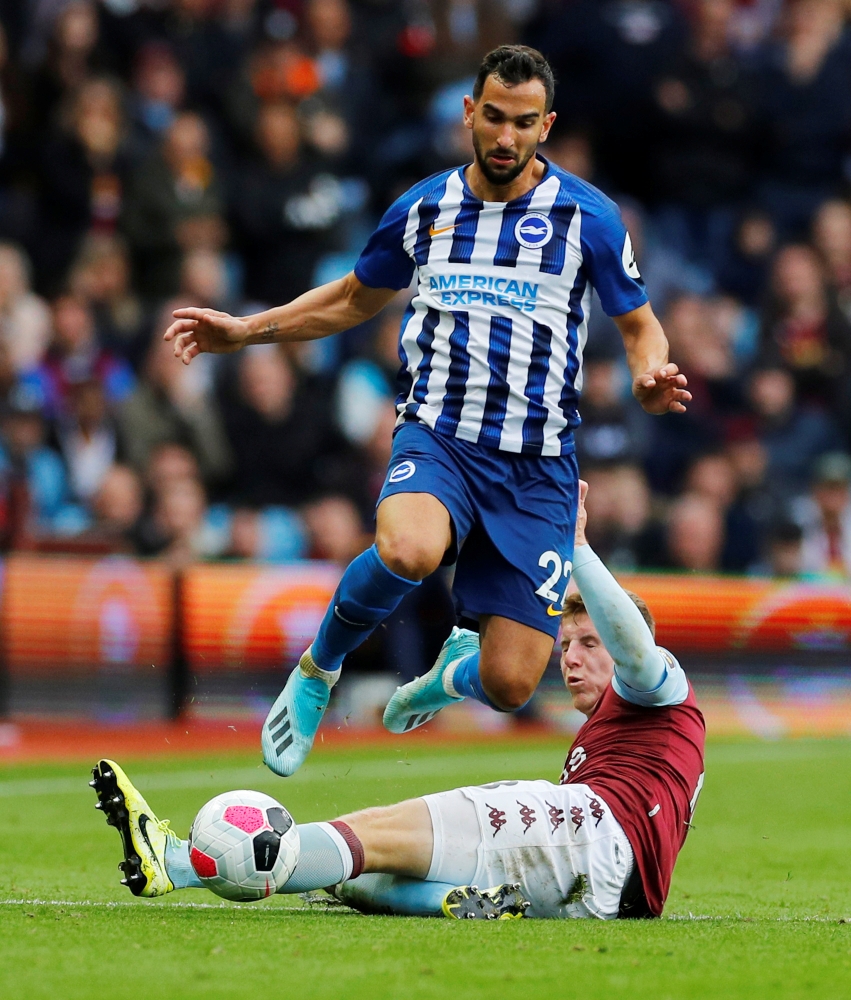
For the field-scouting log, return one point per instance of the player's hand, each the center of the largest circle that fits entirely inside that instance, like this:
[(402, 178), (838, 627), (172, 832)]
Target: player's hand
[(205, 331), (662, 391), (581, 516)]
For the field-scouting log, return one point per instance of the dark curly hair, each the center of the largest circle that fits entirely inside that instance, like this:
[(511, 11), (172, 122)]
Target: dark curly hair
[(513, 64)]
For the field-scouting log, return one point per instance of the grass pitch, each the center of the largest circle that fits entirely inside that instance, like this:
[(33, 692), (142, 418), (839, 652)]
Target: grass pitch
[(757, 908)]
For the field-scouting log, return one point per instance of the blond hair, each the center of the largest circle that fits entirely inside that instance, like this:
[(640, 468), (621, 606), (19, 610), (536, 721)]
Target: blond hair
[(574, 605)]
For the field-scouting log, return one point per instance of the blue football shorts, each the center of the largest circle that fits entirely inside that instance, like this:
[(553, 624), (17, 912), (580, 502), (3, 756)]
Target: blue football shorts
[(513, 520)]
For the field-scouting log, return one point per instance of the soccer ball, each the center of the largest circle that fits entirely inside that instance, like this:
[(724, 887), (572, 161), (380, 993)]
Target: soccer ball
[(243, 845)]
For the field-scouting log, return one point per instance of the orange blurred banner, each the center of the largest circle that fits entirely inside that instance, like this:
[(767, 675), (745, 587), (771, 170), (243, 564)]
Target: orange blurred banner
[(251, 617), (720, 614), (72, 613)]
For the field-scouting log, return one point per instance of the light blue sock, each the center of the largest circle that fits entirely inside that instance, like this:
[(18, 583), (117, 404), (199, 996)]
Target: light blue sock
[(394, 894), (320, 863), (366, 595), (179, 868), (467, 682)]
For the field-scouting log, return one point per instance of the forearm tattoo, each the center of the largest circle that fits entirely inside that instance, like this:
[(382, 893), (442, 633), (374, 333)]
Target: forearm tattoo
[(269, 330)]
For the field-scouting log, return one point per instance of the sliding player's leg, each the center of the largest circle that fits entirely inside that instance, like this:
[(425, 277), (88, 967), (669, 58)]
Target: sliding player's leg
[(413, 532)]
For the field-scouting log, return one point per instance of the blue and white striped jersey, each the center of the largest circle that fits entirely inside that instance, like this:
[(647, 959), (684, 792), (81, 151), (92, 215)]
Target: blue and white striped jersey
[(491, 344)]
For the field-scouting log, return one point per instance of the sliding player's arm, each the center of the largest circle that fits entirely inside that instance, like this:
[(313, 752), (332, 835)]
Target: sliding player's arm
[(645, 674), (331, 308)]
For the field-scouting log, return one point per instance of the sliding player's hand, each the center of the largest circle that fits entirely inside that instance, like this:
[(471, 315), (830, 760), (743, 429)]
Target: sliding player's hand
[(662, 391), (581, 515), (205, 331)]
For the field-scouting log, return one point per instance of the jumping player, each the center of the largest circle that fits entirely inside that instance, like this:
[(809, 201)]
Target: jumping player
[(602, 843), (506, 251)]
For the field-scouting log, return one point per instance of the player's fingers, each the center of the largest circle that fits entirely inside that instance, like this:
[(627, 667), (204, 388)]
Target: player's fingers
[(178, 327), (192, 351), (583, 490), (182, 341), (676, 407)]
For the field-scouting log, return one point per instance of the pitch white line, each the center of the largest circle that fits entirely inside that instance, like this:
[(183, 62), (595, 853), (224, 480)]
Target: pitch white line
[(678, 918)]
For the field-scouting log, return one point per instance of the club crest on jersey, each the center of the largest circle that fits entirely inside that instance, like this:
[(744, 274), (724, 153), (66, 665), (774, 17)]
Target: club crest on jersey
[(533, 231), (403, 471)]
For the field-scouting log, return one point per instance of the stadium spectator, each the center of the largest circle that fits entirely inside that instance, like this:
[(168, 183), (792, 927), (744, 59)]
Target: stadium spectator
[(75, 356), (32, 472), (87, 439), (174, 405), (159, 89), (785, 548), (285, 209), (832, 239), (706, 138), (803, 328), (793, 435), (116, 507), (70, 58), (367, 382), (180, 534), (174, 204), (280, 427), (612, 431), (825, 518), (695, 534), (83, 175), (622, 516), (101, 276), (806, 87), (24, 316), (334, 530)]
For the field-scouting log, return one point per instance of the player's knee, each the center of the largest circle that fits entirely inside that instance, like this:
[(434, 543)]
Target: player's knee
[(507, 692), (407, 555)]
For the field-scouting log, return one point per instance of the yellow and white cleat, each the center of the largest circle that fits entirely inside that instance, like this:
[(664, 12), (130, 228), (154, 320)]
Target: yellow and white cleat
[(143, 836), (469, 902)]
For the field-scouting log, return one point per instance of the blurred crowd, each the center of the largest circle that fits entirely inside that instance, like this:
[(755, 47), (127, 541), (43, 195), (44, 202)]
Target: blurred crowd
[(234, 153)]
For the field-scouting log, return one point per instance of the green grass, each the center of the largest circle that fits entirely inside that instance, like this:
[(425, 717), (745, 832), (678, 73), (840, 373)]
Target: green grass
[(755, 910)]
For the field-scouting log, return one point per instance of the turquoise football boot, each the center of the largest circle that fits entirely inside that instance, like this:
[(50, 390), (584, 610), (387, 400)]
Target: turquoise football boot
[(419, 701), (292, 723)]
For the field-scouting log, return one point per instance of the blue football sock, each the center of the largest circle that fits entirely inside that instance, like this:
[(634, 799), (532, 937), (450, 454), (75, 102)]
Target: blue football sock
[(367, 593), (467, 682), (395, 894), (179, 868)]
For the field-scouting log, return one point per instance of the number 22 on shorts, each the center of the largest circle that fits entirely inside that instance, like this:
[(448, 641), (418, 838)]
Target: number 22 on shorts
[(560, 568)]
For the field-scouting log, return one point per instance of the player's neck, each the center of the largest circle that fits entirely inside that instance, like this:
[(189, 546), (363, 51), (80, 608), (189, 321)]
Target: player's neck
[(524, 182)]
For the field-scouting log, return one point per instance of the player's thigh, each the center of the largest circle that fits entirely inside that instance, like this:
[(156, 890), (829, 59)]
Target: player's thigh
[(517, 560), (397, 839), (424, 504)]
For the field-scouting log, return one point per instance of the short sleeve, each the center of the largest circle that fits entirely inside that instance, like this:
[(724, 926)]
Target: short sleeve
[(384, 262), (610, 261)]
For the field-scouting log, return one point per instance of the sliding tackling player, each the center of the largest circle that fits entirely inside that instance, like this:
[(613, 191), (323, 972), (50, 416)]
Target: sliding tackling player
[(601, 843), (483, 471)]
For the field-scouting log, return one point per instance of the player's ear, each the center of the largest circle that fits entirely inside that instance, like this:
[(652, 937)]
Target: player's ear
[(469, 109), (548, 124)]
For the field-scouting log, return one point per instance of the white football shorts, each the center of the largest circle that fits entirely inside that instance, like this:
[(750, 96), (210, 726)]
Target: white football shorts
[(560, 842)]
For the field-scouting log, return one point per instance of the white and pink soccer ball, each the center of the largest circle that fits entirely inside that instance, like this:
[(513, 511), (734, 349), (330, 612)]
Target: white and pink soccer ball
[(243, 845)]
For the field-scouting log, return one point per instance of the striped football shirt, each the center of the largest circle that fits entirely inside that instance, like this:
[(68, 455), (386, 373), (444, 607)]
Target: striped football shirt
[(491, 344)]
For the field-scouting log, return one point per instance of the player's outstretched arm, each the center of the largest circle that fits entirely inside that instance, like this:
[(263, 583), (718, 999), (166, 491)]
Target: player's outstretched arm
[(644, 673), (657, 384), (331, 308)]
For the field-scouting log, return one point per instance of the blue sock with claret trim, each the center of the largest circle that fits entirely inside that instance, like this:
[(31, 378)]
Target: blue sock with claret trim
[(366, 595), (467, 682)]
